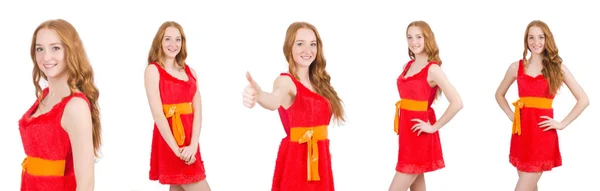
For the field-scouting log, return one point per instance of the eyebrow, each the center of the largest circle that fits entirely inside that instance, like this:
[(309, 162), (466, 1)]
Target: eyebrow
[(56, 43), (171, 36), (304, 40)]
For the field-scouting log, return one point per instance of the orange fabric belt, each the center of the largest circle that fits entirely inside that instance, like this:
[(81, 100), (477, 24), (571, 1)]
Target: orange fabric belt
[(174, 111), (408, 104), (42, 167), (310, 136), (529, 102)]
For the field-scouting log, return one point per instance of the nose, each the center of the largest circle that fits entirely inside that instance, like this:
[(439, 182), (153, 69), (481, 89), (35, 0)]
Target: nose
[(47, 56)]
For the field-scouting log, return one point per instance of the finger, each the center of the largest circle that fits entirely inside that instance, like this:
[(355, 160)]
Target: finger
[(249, 78), (549, 128), (416, 129), (546, 117), (545, 125), (415, 126), (420, 130), (417, 120)]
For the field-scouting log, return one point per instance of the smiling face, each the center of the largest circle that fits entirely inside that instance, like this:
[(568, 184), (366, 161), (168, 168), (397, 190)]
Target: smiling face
[(536, 40), (50, 53), (415, 39), (304, 50), (171, 42)]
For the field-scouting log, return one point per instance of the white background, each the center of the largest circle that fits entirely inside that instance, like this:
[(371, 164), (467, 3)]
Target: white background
[(365, 48)]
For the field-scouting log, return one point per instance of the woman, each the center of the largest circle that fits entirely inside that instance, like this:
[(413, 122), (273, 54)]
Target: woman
[(420, 82), (534, 144), (176, 107), (306, 102), (61, 131)]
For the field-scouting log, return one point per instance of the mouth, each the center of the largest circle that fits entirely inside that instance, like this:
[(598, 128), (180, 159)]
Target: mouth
[(173, 49), (306, 57), (537, 47), (415, 47), (49, 65)]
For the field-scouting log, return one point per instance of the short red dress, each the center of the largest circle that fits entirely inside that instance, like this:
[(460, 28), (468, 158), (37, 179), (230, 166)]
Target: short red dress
[(176, 96), (303, 160), (534, 150), (423, 153), (49, 162)]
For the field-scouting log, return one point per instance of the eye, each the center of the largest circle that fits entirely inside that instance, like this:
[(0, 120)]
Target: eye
[(313, 44), (299, 44), (167, 39), (55, 48), (178, 40), (39, 49)]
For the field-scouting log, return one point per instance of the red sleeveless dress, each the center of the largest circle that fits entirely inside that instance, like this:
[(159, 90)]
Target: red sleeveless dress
[(423, 153), (165, 166), (49, 162), (534, 150), (292, 170)]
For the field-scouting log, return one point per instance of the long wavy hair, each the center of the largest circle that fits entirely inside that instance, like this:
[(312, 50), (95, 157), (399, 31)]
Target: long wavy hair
[(156, 51), (431, 47), (319, 77), (551, 60), (80, 72)]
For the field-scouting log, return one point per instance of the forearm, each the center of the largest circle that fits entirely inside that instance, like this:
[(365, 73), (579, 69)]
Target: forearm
[(165, 131), (268, 101), (503, 103), (575, 112), (450, 112), (85, 186), (197, 126)]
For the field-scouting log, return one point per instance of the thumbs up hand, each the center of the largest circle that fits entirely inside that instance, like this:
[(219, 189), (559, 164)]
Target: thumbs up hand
[(251, 92)]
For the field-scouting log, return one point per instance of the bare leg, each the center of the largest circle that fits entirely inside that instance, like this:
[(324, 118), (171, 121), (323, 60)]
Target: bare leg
[(528, 181), (402, 182), (175, 188), (418, 184), (197, 186)]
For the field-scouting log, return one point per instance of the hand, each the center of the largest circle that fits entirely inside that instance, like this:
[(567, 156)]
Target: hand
[(422, 126), (191, 161), (187, 152), (550, 123), (177, 152), (251, 92)]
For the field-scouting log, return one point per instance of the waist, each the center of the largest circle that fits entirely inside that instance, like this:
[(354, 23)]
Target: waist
[(413, 105), (302, 134), (179, 108), (535, 102), (43, 167)]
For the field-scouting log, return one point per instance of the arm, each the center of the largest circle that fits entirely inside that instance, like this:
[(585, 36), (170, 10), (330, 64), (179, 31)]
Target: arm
[(151, 81), (438, 77), (578, 93), (77, 122), (197, 124), (509, 79), (282, 90)]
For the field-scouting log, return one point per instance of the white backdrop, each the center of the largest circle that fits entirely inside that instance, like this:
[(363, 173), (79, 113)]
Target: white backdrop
[(365, 48)]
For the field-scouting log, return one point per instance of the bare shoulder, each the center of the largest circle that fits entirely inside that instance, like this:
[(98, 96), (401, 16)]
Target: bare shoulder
[(284, 80), (193, 72), (76, 113), (151, 71), (564, 68)]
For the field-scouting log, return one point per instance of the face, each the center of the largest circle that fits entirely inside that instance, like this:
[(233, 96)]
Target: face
[(304, 50), (172, 42), (50, 53), (536, 40), (416, 40)]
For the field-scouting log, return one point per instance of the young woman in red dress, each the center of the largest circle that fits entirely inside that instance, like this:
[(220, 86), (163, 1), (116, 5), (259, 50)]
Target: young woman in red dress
[(420, 82), (534, 144), (61, 130), (306, 103), (175, 103)]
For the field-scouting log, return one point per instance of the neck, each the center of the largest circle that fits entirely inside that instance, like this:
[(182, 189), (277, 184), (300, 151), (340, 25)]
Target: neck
[(58, 86), (303, 74), (535, 58), (421, 57), (169, 63)]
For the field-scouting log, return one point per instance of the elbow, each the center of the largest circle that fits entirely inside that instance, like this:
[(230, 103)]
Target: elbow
[(458, 105), (584, 102), (86, 185)]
